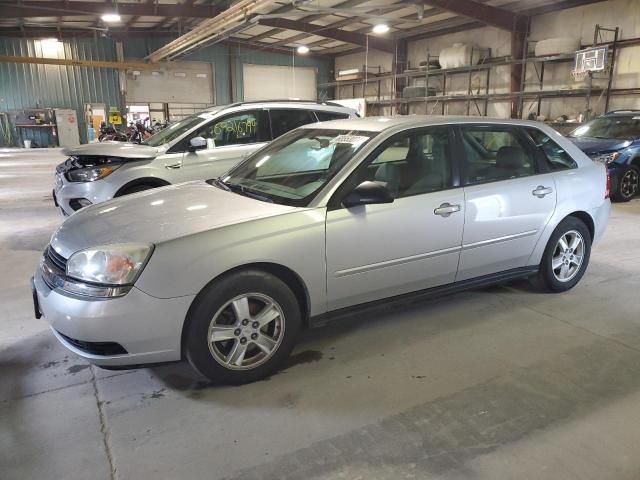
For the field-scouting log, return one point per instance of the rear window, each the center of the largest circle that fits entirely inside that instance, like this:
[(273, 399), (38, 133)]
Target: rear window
[(326, 116), (555, 156)]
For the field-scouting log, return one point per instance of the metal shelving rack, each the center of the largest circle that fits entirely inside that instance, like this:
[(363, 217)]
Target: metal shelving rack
[(485, 96), (539, 67)]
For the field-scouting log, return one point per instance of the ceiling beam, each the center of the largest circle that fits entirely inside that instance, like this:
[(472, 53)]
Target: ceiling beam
[(359, 39), (494, 16), (75, 8), (307, 18)]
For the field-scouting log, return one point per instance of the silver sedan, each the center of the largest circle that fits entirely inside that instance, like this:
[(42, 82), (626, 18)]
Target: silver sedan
[(328, 219)]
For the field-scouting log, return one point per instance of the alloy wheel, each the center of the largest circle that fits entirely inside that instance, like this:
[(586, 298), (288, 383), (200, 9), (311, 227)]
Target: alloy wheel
[(568, 256), (629, 183), (246, 331)]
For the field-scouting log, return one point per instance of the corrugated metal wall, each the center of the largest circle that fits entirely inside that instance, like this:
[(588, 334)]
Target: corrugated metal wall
[(25, 86)]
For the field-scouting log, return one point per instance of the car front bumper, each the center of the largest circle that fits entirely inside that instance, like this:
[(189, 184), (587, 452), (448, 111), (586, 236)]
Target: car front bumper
[(67, 194), (148, 329)]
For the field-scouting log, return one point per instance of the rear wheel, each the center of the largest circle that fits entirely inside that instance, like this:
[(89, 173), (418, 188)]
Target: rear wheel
[(242, 327), (566, 256), (628, 184)]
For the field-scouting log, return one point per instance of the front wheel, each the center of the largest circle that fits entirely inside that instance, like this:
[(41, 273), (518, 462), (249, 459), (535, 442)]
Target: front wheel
[(628, 185), (141, 187), (242, 327), (566, 256)]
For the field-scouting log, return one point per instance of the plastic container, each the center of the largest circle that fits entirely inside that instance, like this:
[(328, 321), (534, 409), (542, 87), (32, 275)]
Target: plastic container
[(459, 55), (27, 143), (556, 46)]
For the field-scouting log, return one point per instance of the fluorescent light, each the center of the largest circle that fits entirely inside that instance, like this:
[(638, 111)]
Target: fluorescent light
[(351, 71), (381, 28), (302, 49), (50, 40), (110, 18)]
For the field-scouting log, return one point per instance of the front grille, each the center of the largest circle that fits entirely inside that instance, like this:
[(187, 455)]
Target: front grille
[(104, 349), (56, 259)]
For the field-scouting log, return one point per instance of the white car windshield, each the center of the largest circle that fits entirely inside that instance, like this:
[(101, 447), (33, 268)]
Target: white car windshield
[(293, 168)]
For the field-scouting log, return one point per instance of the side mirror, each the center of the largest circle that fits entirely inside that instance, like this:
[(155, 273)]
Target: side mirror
[(197, 143), (367, 193)]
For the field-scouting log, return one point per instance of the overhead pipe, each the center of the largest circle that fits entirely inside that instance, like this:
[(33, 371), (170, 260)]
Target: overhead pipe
[(241, 12)]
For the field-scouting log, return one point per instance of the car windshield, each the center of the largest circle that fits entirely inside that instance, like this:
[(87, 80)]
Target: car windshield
[(293, 168), (618, 127), (175, 130)]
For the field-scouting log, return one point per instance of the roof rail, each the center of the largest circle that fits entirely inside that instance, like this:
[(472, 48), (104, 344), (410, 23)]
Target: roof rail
[(314, 102), (626, 110)]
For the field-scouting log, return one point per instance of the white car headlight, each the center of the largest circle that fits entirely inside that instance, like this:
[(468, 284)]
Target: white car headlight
[(605, 157), (91, 174), (109, 265)]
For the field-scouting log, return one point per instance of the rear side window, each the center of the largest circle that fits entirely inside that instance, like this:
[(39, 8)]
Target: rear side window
[(494, 153), (554, 155), (326, 116), (283, 121)]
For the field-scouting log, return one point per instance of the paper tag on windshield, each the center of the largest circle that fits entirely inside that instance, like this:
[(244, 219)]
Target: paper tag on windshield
[(350, 139)]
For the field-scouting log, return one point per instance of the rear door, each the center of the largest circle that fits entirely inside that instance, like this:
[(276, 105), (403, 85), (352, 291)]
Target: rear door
[(284, 120), (509, 198)]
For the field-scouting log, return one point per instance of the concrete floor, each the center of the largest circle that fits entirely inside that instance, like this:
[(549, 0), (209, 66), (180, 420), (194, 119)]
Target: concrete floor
[(497, 383)]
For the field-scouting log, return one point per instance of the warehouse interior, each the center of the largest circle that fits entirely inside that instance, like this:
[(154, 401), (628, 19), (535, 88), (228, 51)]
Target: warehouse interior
[(494, 382)]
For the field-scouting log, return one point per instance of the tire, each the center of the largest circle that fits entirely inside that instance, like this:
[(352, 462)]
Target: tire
[(628, 184), (217, 311), (137, 188), (565, 276)]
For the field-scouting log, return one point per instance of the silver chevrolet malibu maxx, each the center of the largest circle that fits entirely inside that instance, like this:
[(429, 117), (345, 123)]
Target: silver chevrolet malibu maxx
[(325, 220)]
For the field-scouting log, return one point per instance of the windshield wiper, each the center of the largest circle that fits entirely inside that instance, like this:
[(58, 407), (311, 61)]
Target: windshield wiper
[(241, 190), (219, 183)]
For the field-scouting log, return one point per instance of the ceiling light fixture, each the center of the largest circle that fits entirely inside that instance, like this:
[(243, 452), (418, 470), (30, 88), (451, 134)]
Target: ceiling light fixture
[(381, 28), (302, 49), (51, 40), (110, 18)]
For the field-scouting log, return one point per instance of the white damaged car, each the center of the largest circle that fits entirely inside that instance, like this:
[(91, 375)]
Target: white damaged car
[(199, 147)]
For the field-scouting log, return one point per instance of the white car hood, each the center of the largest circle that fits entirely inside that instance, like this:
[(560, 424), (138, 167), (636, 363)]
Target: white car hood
[(159, 215), (113, 149)]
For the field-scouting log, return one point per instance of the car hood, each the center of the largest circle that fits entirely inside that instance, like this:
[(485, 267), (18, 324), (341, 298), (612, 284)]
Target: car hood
[(158, 215), (596, 145), (113, 149)]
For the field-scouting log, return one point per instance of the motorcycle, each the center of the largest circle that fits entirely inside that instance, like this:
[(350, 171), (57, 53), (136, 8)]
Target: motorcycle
[(110, 133), (138, 132)]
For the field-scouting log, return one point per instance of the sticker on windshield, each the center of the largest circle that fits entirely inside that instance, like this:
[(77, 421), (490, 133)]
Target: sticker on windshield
[(350, 139)]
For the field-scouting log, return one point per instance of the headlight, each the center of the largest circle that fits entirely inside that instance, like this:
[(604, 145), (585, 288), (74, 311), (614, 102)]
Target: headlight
[(605, 157), (91, 174), (109, 265)]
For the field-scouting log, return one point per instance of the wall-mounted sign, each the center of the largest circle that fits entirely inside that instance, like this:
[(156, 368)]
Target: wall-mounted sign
[(115, 118)]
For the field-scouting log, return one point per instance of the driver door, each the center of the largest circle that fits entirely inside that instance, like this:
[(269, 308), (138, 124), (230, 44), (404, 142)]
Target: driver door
[(229, 139), (414, 243)]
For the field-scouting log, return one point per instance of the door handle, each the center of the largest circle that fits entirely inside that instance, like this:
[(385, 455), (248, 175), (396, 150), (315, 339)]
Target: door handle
[(446, 209), (173, 166), (541, 191)]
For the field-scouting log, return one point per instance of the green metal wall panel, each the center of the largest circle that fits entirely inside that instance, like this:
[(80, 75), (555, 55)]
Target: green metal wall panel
[(24, 86)]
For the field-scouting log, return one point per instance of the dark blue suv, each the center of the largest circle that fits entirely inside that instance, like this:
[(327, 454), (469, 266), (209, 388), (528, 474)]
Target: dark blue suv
[(614, 139)]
